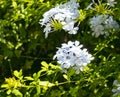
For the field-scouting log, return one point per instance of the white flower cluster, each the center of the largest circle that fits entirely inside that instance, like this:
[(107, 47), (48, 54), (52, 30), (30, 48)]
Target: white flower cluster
[(111, 3), (65, 14), (101, 25), (116, 90), (72, 55)]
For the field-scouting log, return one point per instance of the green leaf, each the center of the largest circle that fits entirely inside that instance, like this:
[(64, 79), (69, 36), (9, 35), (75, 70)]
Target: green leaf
[(41, 1), (71, 72), (65, 76), (27, 94), (45, 65), (4, 86), (9, 92), (29, 78), (34, 75), (46, 84), (16, 73), (17, 93), (18, 45), (55, 66), (14, 4), (10, 45), (38, 91)]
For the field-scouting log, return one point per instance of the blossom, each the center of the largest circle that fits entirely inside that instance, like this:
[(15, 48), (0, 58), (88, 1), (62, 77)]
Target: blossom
[(116, 90), (101, 25), (70, 27), (65, 13), (111, 3), (71, 55), (47, 30)]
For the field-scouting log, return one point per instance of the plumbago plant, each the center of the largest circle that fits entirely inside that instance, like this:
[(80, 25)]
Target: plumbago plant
[(85, 62)]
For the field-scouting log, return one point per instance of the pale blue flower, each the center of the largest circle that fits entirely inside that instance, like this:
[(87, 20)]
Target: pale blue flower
[(71, 55), (111, 3), (116, 90), (101, 25), (66, 14), (47, 30), (70, 27)]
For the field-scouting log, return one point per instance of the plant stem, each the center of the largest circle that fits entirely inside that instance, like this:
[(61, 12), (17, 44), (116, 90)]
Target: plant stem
[(11, 70)]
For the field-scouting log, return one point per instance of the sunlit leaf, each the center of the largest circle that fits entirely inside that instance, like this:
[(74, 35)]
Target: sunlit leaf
[(17, 93), (65, 76), (29, 78)]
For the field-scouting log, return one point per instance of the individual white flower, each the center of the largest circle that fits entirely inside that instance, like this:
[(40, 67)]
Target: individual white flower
[(98, 30), (90, 6), (110, 23), (47, 30), (66, 14), (101, 25), (111, 3), (97, 20), (116, 90), (70, 27), (71, 55)]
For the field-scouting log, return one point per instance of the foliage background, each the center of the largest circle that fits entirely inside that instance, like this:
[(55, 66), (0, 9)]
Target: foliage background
[(23, 47)]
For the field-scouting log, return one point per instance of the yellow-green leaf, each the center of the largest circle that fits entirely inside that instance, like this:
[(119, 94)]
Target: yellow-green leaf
[(29, 78), (65, 76)]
